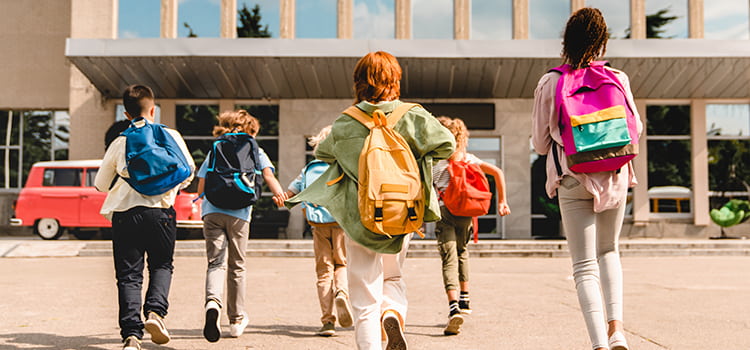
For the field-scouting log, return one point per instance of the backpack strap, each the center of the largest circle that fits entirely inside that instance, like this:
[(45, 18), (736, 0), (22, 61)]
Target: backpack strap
[(369, 121)]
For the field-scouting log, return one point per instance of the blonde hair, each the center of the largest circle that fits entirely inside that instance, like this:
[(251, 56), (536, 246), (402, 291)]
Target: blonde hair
[(458, 129), (236, 121), (314, 141)]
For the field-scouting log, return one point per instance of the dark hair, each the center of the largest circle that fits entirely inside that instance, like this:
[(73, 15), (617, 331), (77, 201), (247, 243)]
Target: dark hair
[(114, 130), (585, 37), (137, 99), (377, 77)]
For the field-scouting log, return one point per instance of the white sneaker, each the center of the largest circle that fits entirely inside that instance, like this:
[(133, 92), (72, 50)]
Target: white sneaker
[(212, 328), (236, 329), (393, 332), (617, 341), (155, 326), (343, 311)]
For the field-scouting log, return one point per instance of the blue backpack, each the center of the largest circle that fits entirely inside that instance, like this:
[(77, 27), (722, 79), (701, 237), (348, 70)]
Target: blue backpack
[(315, 214), (232, 178), (154, 161)]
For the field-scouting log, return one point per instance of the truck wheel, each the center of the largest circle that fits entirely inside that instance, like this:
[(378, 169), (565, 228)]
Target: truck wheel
[(48, 228)]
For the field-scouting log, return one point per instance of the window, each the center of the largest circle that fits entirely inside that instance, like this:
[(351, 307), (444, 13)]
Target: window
[(488, 150), (374, 19), (138, 19), (476, 116), (269, 13), (196, 124), (29, 137), (120, 113), (728, 129), (198, 18), (62, 177), (91, 176), (491, 20), (316, 19), (617, 15), (432, 19), (673, 15), (547, 18), (726, 19), (669, 165)]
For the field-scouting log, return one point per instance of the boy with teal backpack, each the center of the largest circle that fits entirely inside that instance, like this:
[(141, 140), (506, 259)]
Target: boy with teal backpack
[(328, 244)]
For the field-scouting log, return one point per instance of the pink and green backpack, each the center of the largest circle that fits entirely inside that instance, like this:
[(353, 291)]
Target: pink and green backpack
[(597, 124)]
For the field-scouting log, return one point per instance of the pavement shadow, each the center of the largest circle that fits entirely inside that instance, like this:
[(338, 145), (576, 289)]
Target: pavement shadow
[(54, 341), (294, 331)]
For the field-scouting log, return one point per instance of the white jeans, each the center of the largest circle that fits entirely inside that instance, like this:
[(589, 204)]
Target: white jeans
[(375, 285), (593, 244)]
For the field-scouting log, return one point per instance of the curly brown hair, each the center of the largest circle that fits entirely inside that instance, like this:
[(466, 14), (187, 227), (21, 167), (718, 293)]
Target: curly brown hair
[(585, 37), (236, 121), (458, 129), (377, 77)]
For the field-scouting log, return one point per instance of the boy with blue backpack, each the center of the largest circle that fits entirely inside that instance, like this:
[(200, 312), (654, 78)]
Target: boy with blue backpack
[(231, 179), (328, 245), (148, 164)]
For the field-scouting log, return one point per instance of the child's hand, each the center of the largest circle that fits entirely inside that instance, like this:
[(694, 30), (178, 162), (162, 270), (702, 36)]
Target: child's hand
[(279, 199), (503, 209)]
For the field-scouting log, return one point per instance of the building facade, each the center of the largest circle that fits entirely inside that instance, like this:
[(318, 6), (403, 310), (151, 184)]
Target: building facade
[(475, 59)]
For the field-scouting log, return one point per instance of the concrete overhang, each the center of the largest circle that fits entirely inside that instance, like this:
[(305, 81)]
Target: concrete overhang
[(212, 68)]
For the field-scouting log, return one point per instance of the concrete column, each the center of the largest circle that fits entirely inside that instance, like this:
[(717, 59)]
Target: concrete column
[(344, 27), (695, 19), (461, 19), (403, 19), (168, 113), (90, 113), (576, 5), (637, 19), (512, 124), (641, 207), (520, 19), (228, 19), (286, 24), (169, 19), (226, 105), (699, 154)]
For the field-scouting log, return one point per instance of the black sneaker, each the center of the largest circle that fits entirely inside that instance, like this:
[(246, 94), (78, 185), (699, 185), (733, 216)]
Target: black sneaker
[(155, 326), (455, 320), (327, 330), (211, 329), (464, 306)]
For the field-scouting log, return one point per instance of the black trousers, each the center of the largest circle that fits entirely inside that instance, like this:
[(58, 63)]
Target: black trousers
[(136, 233)]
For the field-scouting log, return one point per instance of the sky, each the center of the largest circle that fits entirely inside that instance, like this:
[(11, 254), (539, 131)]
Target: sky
[(432, 19)]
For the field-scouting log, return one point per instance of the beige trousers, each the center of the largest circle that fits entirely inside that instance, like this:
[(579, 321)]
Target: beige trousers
[(226, 243), (330, 266), (375, 285)]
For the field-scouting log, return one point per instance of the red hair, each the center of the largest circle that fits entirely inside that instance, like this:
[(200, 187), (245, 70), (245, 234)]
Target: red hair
[(377, 77)]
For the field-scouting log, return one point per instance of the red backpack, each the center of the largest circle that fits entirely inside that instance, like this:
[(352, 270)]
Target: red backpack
[(468, 192)]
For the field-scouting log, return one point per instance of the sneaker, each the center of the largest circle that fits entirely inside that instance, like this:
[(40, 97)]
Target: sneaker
[(343, 311), (393, 332), (463, 304), (327, 330), (131, 343), (236, 329), (617, 341), (454, 324), (155, 326), (212, 328)]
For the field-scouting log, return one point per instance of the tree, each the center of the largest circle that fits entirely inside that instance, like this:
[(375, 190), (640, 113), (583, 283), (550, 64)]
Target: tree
[(250, 26), (191, 34), (654, 24)]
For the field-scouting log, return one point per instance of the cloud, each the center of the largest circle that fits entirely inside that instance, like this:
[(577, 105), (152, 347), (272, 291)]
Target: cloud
[(735, 31), (129, 34), (376, 23), (432, 19)]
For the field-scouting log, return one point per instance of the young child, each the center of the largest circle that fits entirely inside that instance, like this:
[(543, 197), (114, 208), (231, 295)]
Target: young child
[(226, 232), (374, 261), (141, 225), (453, 232), (328, 244)]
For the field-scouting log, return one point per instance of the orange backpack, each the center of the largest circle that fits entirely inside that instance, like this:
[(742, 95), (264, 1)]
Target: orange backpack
[(468, 192), (390, 193)]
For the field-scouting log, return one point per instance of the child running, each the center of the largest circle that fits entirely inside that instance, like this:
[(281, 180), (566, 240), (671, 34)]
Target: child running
[(328, 245), (453, 232), (226, 232), (374, 261)]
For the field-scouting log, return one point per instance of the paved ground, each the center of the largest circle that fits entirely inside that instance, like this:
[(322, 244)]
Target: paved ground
[(520, 303)]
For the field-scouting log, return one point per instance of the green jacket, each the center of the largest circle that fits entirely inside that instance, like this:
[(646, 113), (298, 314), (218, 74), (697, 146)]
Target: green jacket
[(429, 141)]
